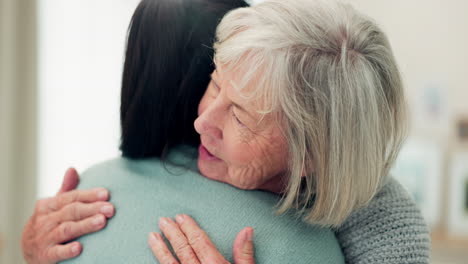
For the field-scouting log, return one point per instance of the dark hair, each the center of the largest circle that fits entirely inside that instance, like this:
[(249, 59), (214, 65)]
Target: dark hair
[(168, 61)]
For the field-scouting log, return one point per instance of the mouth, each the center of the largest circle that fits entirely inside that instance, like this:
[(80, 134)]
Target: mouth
[(204, 154)]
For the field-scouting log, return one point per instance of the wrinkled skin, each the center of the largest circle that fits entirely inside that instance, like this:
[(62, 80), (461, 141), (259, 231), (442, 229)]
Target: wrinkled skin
[(193, 246), (64, 217)]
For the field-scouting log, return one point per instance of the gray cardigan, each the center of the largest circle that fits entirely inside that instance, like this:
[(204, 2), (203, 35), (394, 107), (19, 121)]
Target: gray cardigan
[(389, 230)]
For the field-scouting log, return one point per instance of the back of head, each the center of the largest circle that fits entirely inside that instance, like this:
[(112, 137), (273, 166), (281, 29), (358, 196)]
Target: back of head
[(167, 65), (329, 72)]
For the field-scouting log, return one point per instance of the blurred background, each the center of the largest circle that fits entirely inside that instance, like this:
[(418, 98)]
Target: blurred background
[(60, 71)]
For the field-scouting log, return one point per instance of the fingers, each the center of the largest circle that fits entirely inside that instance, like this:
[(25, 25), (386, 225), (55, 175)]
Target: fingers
[(199, 241), (84, 196), (178, 241), (79, 211), (63, 252), (67, 216), (160, 250), (190, 243), (243, 247), (70, 181), (71, 230)]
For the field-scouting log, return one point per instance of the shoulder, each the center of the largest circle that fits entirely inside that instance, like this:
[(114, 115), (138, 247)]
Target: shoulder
[(179, 159), (390, 229), (119, 170), (110, 164)]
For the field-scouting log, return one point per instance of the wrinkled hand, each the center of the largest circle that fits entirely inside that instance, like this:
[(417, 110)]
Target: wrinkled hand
[(193, 246), (67, 216)]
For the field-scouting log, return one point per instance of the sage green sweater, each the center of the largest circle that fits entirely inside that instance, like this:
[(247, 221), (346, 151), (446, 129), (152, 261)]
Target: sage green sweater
[(142, 191)]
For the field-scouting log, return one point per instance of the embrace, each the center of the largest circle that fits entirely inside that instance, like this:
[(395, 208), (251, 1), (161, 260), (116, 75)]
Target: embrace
[(250, 134)]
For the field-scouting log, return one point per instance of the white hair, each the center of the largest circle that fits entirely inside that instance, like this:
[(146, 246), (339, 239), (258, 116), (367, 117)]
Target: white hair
[(330, 74)]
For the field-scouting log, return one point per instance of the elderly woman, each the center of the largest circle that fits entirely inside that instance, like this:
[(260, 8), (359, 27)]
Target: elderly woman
[(306, 103)]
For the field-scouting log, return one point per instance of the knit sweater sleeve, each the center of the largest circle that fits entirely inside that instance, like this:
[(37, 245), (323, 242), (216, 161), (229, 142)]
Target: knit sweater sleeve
[(389, 230)]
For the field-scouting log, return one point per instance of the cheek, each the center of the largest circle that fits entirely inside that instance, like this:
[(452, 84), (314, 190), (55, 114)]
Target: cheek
[(237, 148), (243, 148), (270, 152), (257, 163)]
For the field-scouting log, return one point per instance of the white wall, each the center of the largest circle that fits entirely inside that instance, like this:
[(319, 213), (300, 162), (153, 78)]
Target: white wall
[(81, 51)]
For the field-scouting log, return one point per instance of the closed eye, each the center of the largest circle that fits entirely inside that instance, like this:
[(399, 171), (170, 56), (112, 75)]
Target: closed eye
[(236, 118)]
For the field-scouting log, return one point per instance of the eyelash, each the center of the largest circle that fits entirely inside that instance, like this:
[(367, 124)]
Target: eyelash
[(237, 119)]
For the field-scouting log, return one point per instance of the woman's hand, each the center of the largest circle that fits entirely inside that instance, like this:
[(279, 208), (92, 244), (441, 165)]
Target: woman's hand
[(67, 216), (193, 246)]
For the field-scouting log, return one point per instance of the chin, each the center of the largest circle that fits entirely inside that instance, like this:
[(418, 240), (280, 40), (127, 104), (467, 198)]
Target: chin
[(212, 170)]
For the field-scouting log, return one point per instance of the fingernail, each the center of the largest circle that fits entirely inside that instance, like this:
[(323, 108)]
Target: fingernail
[(152, 238), (107, 210), (75, 249), (99, 220), (163, 221), (102, 194), (180, 218), (249, 234), (158, 236)]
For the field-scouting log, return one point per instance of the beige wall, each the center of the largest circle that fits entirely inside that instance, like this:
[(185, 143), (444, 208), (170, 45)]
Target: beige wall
[(431, 46), (430, 43), (17, 122)]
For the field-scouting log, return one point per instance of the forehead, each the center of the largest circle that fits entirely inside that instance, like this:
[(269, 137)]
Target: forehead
[(240, 82), (237, 89), (248, 92)]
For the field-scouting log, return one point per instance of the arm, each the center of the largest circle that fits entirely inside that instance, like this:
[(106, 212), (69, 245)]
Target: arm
[(389, 230), (57, 220)]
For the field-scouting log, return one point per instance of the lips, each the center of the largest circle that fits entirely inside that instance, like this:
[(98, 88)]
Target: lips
[(204, 154)]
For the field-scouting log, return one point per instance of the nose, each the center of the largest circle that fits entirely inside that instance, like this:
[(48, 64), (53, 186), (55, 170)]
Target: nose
[(209, 123)]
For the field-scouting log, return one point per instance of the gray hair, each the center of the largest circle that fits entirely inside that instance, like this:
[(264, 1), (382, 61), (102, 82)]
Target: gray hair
[(331, 75)]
